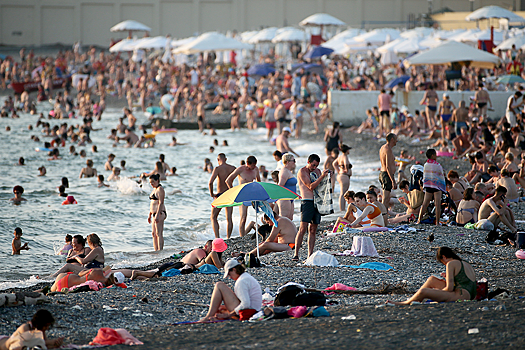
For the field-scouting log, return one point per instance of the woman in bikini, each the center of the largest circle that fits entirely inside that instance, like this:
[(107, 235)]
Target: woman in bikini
[(287, 180), (468, 208), (92, 257), (70, 279), (88, 171), (459, 282), (344, 171), (157, 212), (446, 107)]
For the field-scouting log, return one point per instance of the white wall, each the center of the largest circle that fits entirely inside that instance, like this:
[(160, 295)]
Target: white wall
[(349, 107), (37, 22)]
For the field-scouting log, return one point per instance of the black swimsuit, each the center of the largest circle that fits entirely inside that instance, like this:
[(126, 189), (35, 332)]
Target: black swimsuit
[(153, 197)]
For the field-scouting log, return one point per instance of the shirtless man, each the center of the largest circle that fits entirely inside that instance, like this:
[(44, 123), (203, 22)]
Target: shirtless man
[(482, 98), (222, 171), (430, 99), (495, 210), (281, 142), (246, 173), (201, 113), (130, 137), (310, 217), (462, 142), (445, 111), (388, 168), (507, 182), (281, 238), (131, 118), (460, 117)]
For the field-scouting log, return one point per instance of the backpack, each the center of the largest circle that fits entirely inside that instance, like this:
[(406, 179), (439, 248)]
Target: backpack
[(310, 299), (287, 295), (252, 260)]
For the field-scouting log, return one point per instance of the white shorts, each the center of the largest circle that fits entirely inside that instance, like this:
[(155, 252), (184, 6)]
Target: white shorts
[(511, 118)]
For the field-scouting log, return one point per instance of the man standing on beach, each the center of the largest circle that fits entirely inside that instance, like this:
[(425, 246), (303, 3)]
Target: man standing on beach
[(222, 171), (246, 173), (309, 178), (388, 168), (281, 142)]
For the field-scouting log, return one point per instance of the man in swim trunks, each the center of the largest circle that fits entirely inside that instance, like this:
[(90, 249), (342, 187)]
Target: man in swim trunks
[(430, 99), (460, 117), (131, 138), (388, 168), (281, 238), (482, 98), (445, 111), (246, 173), (221, 172), (201, 112)]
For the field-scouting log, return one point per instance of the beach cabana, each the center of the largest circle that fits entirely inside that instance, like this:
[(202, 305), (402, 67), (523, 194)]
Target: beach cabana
[(453, 51)]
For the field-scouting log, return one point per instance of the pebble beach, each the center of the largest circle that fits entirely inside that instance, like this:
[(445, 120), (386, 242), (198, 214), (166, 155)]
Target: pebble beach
[(148, 309)]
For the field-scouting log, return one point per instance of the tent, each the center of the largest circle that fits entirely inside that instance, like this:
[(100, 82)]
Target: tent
[(211, 41), (488, 12), (130, 26), (321, 19), (453, 51)]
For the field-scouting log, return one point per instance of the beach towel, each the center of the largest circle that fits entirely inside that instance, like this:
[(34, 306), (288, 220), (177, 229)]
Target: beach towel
[(171, 273), (323, 195), (372, 266), (93, 285), (109, 336), (340, 286), (207, 269)]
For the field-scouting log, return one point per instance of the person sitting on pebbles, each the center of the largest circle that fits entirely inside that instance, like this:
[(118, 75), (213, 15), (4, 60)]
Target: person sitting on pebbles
[(369, 212), (496, 211), (218, 246), (459, 282)]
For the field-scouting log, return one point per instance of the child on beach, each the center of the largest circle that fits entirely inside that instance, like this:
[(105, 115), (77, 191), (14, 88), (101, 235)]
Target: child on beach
[(100, 180), (433, 184), (17, 242), (68, 246), (349, 216)]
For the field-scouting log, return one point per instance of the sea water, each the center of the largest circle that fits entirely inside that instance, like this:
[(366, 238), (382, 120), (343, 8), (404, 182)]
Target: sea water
[(118, 214)]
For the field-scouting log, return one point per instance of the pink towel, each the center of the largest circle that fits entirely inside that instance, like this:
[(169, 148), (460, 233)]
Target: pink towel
[(96, 286), (339, 286), (297, 311)]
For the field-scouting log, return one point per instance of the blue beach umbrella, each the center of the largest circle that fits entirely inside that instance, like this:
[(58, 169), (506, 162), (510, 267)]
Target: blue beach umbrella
[(395, 82), (261, 69), (510, 79), (317, 52)]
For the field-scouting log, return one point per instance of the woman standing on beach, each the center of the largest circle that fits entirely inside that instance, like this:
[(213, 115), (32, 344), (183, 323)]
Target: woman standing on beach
[(287, 180), (459, 282), (157, 211), (344, 171), (333, 138)]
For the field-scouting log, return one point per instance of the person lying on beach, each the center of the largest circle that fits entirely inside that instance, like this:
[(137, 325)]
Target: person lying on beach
[(369, 212), (282, 236), (459, 281), (218, 246), (17, 242), (70, 279), (94, 259), (18, 190), (468, 207), (243, 302), (42, 321), (495, 210)]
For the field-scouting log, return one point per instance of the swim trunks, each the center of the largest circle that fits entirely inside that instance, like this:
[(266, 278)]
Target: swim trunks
[(385, 181), (430, 190), (271, 125), (309, 212), (481, 104), (291, 245), (432, 108), (385, 113)]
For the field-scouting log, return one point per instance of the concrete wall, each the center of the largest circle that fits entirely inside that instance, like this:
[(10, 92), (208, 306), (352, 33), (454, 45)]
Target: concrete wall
[(38, 22), (349, 107)]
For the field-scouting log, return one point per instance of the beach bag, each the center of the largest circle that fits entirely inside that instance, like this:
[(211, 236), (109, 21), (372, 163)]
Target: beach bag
[(287, 295), (252, 260), (520, 240), (310, 299), (415, 198), (482, 290), (485, 225)]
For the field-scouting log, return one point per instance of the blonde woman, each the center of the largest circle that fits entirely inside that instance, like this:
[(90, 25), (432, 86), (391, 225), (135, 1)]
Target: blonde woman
[(287, 180)]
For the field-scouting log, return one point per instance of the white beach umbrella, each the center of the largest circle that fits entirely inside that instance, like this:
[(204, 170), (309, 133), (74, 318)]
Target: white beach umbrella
[(180, 42), (321, 19), (464, 36), (378, 36), (447, 34), (289, 34), (418, 32), (353, 46), (517, 41), (158, 42), (488, 12), (453, 51), (130, 26), (245, 36), (126, 45), (410, 46), (212, 41), (263, 36), (390, 46), (338, 41), (430, 42), (499, 36)]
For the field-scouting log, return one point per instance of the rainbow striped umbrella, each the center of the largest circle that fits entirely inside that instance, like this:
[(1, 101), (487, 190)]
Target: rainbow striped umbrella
[(253, 192)]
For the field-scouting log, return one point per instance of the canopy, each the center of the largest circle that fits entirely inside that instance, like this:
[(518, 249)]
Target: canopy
[(518, 41), (289, 34), (265, 35), (494, 12), (158, 42), (453, 51), (321, 19), (378, 36), (129, 26), (211, 41)]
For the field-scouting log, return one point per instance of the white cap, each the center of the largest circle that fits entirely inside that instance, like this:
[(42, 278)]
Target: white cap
[(119, 277), (445, 95), (286, 128), (229, 265)]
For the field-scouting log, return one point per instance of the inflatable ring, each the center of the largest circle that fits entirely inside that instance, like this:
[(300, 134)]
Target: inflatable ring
[(520, 254), (164, 131), (149, 136)]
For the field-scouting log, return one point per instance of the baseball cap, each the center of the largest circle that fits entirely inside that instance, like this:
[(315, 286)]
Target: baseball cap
[(286, 128), (229, 265)]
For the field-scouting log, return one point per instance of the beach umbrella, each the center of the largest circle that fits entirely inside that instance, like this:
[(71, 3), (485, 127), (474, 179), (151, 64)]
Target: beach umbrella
[(252, 193), (378, 36), (318, 51), (289, 34), (518, 41), (321, 19), (489, 12), (211, 41), (409, 46), (510, 79), (390, 46), (308, 67), (130, 26), (338, 41), (395, 82), (263, 36), (126, 45), (261, 69), (158, 42)]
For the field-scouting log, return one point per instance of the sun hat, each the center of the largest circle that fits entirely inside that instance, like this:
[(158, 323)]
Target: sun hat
[(229, 265), (218, 245), (286, 128)]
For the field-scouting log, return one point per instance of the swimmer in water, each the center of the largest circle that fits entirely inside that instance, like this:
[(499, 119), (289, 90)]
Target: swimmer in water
[(101, 183), (17, 242), (18, 191), (115, 175), (21, 161), (42, 171)]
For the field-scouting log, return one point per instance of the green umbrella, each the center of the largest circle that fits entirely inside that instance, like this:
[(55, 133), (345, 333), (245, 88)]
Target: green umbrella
[(510, 79)]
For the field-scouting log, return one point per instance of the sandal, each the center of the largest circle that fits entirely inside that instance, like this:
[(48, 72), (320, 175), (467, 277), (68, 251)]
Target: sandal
[(295, 258)]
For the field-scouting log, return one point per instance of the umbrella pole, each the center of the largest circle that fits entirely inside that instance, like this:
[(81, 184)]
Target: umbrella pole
[(256, 229)]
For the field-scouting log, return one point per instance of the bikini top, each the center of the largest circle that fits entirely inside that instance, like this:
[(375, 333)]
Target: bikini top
[(153, 197)]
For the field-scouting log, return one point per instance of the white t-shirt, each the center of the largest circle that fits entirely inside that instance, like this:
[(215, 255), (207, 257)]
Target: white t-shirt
[(248, 290), (194, 77)]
